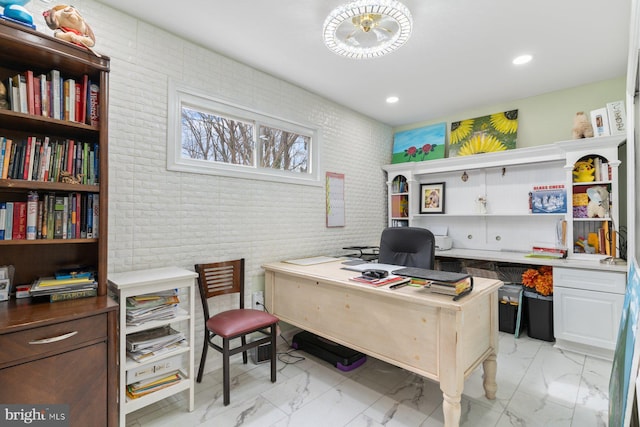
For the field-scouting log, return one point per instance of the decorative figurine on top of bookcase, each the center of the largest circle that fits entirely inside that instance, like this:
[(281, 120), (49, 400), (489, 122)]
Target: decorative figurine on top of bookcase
[(581, 126), (70, 26)]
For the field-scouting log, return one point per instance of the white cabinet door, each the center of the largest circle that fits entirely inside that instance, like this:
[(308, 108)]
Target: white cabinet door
[(587, 317)]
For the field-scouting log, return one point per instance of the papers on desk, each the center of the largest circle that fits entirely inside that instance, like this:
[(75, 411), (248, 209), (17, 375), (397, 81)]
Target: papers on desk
[(373, 266)]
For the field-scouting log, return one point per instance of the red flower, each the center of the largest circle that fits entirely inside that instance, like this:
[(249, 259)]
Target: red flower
[(426, 148)]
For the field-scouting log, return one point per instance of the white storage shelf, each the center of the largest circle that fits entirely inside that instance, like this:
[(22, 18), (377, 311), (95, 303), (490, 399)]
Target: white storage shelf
[(586, 290), (140, 282)]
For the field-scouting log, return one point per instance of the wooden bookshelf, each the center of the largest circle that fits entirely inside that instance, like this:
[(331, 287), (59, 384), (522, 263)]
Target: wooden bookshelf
[(93, 349)]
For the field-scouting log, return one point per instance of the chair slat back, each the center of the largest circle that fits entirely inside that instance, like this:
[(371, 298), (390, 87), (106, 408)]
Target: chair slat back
[(219, 278)]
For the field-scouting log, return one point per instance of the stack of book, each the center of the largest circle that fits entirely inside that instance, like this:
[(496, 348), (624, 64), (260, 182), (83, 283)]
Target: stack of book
[(455, 288), (547, 251), (144, 345), (156, 306), (388, 280), (141, 388), (64, 288)]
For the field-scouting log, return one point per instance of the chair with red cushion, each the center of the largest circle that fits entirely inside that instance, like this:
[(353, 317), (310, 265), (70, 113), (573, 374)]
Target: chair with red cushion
[(227, 277)]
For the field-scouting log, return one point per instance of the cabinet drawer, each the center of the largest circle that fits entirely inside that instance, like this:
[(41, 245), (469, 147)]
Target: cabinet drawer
[(47, 340), (592, 280)]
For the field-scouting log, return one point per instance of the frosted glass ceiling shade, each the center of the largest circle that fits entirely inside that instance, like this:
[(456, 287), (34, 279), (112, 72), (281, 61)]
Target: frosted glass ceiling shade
[(367, 29)]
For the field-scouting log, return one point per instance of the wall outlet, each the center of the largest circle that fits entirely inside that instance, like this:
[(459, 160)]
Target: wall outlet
[(257, 300)]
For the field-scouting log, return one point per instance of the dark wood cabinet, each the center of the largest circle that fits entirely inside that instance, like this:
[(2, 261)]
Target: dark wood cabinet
[(63, 352)]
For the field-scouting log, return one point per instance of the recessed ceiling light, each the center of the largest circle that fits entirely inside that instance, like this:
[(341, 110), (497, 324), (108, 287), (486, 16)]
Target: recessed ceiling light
[(522, 59), (392, 99)]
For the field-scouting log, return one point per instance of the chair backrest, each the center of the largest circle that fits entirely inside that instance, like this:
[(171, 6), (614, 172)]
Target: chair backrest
[(219, 278), (407, 246)]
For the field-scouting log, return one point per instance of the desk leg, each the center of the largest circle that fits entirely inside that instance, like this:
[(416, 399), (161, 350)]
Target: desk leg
[(490, 367), (451, 409)]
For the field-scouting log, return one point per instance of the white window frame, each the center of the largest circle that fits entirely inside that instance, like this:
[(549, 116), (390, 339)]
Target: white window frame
[(181, 95)]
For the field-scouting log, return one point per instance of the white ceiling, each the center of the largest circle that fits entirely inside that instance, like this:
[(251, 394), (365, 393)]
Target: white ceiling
[(458, 57)]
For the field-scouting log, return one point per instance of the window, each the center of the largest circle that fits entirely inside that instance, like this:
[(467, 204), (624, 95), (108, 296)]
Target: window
[(210, 136)]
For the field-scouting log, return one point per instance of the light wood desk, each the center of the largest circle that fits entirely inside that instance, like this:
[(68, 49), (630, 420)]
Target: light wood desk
[(409, 327)]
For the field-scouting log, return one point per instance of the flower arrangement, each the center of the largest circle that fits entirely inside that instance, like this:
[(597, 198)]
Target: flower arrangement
[(539, 280)]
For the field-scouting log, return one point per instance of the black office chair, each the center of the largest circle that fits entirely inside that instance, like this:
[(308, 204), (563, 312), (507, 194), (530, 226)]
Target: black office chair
[(407, 246)]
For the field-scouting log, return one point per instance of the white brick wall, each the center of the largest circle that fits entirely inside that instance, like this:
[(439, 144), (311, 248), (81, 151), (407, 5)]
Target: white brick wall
[(159, 218)]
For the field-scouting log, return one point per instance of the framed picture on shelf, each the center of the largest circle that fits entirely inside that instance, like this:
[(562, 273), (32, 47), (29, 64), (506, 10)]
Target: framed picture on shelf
[(432, 198)]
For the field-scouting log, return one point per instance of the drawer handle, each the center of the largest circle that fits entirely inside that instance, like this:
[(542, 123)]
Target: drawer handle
[(54, 339)]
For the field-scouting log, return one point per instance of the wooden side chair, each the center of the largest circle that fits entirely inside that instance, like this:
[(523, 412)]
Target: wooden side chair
[(227, 277)]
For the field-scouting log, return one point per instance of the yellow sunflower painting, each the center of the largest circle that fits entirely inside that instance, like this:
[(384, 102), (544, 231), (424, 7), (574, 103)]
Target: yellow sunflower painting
[(481, 143), (487, 134), (460, 130)]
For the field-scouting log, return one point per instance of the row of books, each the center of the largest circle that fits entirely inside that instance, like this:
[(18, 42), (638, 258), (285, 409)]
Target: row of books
[(55, 96), (399, 185), (155, 306), (44, 159), (51, 216)]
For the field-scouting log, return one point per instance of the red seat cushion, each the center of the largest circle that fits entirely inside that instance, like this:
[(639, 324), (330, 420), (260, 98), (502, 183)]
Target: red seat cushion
[(236, 322)]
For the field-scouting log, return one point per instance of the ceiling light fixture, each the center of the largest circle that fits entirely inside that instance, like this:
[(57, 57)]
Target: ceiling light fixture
[(367, 29), (392, 99), (522, 59)]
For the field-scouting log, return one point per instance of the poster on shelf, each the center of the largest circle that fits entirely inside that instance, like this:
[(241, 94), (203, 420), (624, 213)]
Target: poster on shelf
[(549, 199)]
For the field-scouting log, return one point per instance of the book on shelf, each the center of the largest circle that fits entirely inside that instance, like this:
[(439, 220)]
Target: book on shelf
[(144, 387), (74, 294), (19, 221), (79, 272), (540, 250), (93, 104), (32, 215), (161, 367), (56, 98), (3, 218), (8, 225)]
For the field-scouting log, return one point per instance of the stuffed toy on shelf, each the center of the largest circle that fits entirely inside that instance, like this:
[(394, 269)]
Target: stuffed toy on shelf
[(70, 26), (584, 171), (598, 206)]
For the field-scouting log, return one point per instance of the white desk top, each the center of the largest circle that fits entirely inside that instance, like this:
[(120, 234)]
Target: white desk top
[(521, 258)]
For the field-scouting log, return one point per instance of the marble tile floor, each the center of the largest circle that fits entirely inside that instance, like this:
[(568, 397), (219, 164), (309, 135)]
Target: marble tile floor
[(538, 385)]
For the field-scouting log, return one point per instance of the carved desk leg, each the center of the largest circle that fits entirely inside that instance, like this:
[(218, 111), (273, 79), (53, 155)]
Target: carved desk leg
[(490, 367), (451, 409)]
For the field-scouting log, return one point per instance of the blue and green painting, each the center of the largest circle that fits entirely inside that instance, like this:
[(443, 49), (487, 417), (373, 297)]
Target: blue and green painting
[(417, 145)]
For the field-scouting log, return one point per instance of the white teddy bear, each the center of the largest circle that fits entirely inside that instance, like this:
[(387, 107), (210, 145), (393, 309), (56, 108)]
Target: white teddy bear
[(598, 205)]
